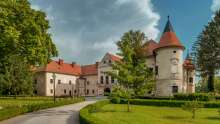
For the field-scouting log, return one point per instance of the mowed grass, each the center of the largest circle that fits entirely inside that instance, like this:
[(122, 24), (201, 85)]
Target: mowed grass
[(116, 114), (12, 107)]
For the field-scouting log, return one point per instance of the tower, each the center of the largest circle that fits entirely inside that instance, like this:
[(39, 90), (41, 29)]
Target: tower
[(169, 63), (188, 75)]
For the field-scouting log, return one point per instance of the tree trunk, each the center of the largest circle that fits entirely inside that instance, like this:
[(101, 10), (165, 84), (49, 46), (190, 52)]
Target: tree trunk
[(128, 106), (194, 113), (211, 82)]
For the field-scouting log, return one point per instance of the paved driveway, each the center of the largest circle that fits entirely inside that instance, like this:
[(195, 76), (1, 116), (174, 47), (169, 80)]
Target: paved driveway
[(68, 114)]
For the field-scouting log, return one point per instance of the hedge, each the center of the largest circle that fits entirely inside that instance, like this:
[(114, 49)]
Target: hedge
[(169, 103), (194, 96), (85, 116), (11, 111), (183, 96)]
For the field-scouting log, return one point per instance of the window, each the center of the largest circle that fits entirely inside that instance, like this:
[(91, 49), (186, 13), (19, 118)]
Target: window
[(174, 51), (101, 80), (110, 61), (156, 70), (175, 89), (93, 91), (112, 80), (87, 92), (35, 81), (190, 80), (59, 81), (74, 91), (70, 93), (87, 82), (51, 81), (104, 62), (64, 91), (106, 80), (51, 90), (151, 69), (70, 82)]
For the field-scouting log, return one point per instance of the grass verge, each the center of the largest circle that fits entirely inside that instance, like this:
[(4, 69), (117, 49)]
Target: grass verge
[(117, 114)]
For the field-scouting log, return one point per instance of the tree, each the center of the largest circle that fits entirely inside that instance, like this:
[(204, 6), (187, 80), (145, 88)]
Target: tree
[(206, 48), (24, 32), (132, 72), (17, 79), (217, 85), (192, 106), (122, 92)]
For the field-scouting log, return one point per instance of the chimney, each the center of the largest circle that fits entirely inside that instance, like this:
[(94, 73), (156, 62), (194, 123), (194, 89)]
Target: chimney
[(97, 64), (73, 64), (60, 61)]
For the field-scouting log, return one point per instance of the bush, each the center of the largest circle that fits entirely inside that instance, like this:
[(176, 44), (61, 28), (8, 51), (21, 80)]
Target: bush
[(153, 97), (115, 100), (194, 96), (85, 116), (9, 111), (169, 103)]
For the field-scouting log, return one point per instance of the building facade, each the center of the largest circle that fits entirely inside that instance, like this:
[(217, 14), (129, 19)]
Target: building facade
[(164, 58)]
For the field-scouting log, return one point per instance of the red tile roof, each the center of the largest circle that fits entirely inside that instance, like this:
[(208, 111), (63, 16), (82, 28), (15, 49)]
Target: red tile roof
[(169, 38), (187, 64), (90, 69), (150, 46), (61, 67), (114, 57)]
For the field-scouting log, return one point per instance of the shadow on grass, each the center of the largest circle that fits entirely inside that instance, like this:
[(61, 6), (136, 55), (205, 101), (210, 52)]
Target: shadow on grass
[(213, 118), (174, 117)]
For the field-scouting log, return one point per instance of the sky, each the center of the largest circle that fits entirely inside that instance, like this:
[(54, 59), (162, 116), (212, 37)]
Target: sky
[(84, 30)]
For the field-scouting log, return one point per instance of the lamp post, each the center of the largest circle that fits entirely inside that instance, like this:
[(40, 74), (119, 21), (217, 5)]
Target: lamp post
[(54, 81)]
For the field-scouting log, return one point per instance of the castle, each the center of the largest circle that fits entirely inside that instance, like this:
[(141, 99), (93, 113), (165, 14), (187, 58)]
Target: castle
[(165, 58)]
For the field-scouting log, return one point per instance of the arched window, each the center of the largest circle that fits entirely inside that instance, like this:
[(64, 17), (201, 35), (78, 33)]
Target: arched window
[(107, 80), (190, 80), (101, 80)]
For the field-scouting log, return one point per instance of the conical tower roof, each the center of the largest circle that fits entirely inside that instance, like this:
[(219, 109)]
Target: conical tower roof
[(169, 38)]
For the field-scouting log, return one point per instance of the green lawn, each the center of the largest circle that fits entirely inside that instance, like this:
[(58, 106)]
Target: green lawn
[(116, 114), (13, 107)]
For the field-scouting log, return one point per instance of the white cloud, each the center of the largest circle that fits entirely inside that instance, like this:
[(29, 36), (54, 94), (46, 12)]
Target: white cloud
[(36, 7), (84, 31), (146, 8), (215, 5)]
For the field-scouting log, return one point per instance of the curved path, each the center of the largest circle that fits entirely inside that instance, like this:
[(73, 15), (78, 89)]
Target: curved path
[(68, 114)]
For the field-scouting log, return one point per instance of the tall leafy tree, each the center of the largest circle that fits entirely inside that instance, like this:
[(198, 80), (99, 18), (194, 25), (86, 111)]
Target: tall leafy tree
[(133, 75), (207, 51), (24, 32), (132, 71), (24, 42), (17, 79)]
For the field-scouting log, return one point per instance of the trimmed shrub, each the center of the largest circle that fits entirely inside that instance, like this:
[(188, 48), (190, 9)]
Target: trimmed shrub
[(169, 103), (194, 96), (115, 100), (153, 97), (11, 111)]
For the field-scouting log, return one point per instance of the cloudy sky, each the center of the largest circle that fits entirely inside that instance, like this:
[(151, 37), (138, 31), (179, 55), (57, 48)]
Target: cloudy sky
[(84, 30)]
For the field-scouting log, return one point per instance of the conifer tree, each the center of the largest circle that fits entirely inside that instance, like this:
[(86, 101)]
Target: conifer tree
[(207, 51)]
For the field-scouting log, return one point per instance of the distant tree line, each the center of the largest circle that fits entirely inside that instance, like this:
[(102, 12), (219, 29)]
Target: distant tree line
[(24, 44)]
